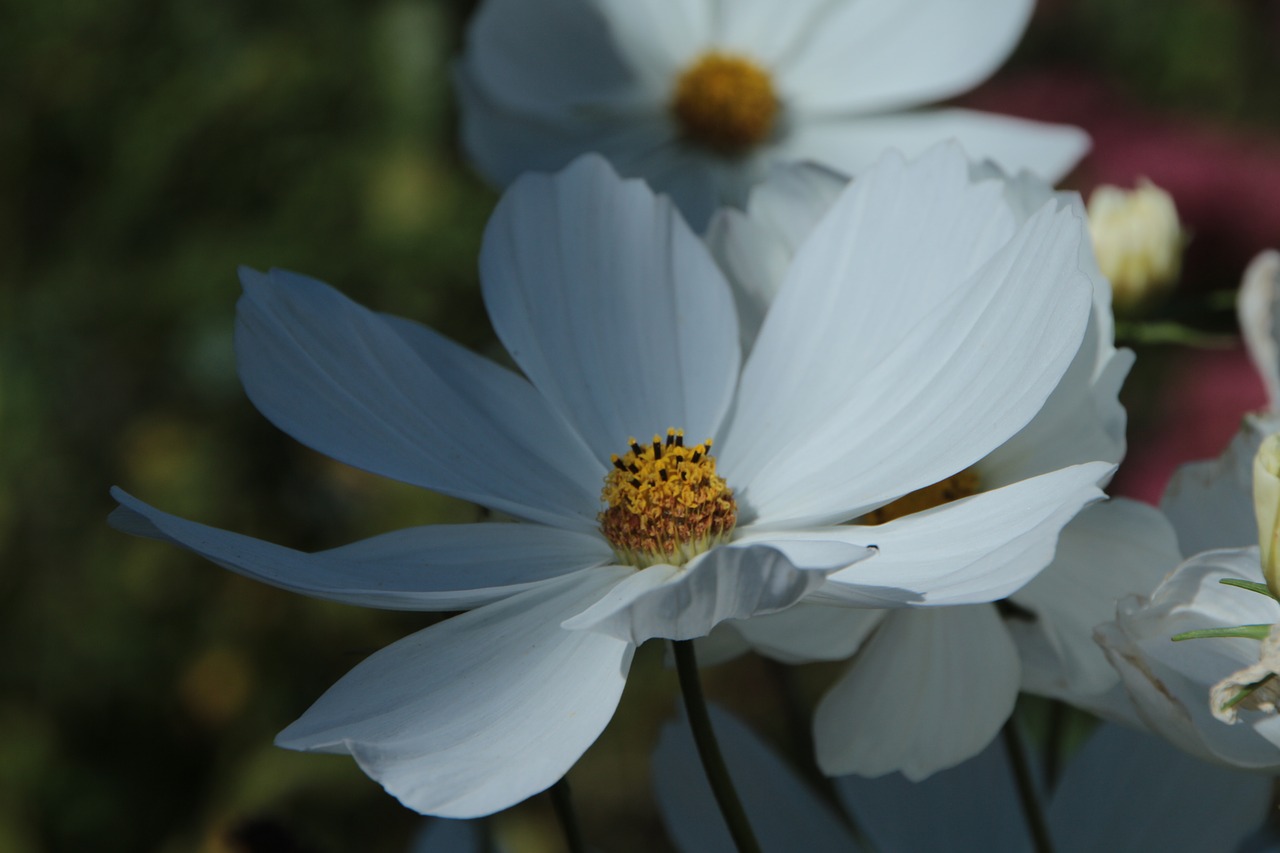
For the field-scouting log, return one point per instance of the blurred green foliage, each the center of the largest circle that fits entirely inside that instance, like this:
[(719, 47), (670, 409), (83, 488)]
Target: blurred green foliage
[(146, 149)]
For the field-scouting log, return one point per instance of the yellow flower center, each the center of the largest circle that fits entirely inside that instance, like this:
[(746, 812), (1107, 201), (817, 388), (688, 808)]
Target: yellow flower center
[(665, 503), (725, 103), (953, 488)]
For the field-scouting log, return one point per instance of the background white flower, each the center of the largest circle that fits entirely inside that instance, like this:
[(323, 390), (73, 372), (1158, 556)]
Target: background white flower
[(699, 97), (622, 325), (978, 660)]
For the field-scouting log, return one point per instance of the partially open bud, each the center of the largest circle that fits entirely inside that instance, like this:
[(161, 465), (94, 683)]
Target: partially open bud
[(1138, 242), (1266, 507)]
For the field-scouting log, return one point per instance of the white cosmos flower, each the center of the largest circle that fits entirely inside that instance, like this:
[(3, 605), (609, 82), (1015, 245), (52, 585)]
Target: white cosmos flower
[(977, 657), (916, 331), (700, 96), (1211, 505)]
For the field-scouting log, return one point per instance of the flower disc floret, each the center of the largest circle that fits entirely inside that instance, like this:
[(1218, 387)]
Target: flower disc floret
[(725, 103), (665, 503), (957, 486)]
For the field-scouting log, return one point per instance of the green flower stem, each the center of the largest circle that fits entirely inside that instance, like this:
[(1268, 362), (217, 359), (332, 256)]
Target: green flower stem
[(562, 800), (1252, 586), (1031, 807), (1248, 632), (735, 816)]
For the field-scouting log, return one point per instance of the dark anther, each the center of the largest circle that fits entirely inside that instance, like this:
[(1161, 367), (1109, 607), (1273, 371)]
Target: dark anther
[(679, 439), (662, 472), (635, 482), (657, 449), (617, 463), (633, 468), (697, 454), (671, 438), (635, 448)]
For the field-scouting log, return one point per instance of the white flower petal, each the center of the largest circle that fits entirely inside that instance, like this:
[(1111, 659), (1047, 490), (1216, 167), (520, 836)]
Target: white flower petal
[(884, 54), (754, 246), (1211, 502), (1107, 552), (476, 713), (900, 346), (809, 632), (547, 145), (972, 806), (929, 690), (1169, 682), (725, 583), (547, 59), (1126, 790), (437, 567), (611, 306), (852, 144), (392, 397), (785, 814), (980, 548), (659, 38), (1256, 308)]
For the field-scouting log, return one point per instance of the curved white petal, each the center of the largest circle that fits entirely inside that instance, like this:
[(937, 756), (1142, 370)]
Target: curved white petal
[(1169, 682), (1211, 502), (810, 632), (725, 583), (476, 713), (908, 341), (785, 814), (611, 306), (548, 144), (883, 54), (851, 144), (981, 548), (929, 690), (395, 398), (658, 38), (437, 567), (549, 59), (1127, 790), (1259, 318), (755, 245), (1105, 553), (972, 806)]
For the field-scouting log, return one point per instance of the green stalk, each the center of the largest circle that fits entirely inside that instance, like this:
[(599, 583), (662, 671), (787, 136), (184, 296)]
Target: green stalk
[(563, 803), (1031, 808), (735, 816)]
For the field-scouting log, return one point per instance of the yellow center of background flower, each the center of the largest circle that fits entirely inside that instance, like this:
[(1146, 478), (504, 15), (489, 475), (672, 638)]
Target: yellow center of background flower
[(953, 488), (725, 103), (665, 503)]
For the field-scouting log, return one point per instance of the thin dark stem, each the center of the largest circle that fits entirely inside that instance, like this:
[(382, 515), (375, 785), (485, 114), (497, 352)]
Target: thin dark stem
[(1053, 751), (735, 816), (1031, 808), (563, 802)]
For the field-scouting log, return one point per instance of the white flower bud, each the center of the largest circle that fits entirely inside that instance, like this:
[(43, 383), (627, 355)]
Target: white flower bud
[(1138, 242), (1266, 507)]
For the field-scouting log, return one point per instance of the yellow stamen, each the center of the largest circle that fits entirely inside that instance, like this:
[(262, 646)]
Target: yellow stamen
[(725, 103), (953, 488), (665, 503)]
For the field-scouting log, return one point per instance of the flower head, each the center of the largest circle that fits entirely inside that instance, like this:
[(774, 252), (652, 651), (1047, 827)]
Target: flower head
[(1138, 240), (882, 368), (700, 97)]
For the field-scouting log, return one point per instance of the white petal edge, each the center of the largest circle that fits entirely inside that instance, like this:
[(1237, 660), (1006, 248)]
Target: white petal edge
[(728, 582), (1109, 551), (397, 399), (479, 712), (610, 305), (1259, 316), (436, 567), (930, 689), (851, 144), (981, 548)]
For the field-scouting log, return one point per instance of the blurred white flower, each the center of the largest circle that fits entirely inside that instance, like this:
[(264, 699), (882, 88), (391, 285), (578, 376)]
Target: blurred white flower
[(699, 97), (978, 657), (1121, 791), (919, 328), (1138, 240)]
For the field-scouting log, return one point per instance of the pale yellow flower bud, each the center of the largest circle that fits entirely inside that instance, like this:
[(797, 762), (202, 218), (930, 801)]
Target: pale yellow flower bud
[(1266, 507), (1138, 242)]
